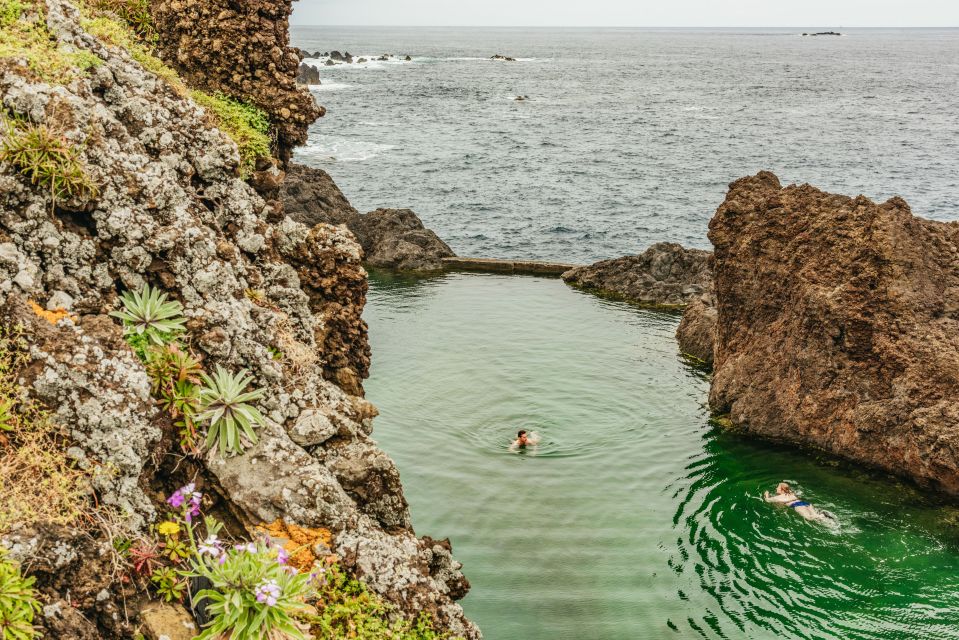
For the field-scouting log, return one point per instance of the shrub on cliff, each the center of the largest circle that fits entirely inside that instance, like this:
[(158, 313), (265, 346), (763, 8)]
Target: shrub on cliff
[(247, 125)]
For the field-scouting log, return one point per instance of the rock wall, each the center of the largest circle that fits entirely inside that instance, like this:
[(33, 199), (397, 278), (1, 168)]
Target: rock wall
[(170, 211), (240, 48), (838, 326)]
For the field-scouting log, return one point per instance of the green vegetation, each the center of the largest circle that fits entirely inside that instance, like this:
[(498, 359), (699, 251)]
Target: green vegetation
[(24, 35), (18, 602), (37, 482), (348, 610), (246, 124), (134, 13), (149, 314), (47, 158), (224, 406), (116, 33)]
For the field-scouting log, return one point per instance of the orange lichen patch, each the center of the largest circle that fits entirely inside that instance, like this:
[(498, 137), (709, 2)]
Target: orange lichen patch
[(53, 317), (302, 543)]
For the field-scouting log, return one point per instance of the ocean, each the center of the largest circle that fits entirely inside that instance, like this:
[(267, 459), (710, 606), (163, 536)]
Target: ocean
[(629, 136)]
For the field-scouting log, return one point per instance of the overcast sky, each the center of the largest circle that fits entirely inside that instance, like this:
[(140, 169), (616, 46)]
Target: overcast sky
[(630, 13)]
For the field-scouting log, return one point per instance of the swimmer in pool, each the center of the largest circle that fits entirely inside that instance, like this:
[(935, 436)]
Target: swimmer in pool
[(523, 439), (784, 495)]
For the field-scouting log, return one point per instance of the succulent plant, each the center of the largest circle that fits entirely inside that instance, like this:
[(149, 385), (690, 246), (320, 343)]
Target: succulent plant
[(224, 406), (148, 313)]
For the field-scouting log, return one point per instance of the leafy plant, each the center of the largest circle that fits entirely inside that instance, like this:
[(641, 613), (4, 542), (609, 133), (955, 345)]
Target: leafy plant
[(247, 125), (135, 13), (149, 314), (169, 365), (47, 158), (168, 584), (224, 406), (18, 602)]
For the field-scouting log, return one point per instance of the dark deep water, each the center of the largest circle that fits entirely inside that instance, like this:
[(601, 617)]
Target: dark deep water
[(630, 137)]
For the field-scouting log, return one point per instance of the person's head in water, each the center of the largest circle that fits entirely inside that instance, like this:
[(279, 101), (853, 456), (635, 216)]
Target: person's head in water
[(783, 488), (522, 439)]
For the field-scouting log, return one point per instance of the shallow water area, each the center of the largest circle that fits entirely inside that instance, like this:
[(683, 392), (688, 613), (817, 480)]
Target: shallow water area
[(634, 518)]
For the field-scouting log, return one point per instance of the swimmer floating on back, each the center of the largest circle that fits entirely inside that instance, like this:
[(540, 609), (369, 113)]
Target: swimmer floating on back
[(523, 439), (784, 495)]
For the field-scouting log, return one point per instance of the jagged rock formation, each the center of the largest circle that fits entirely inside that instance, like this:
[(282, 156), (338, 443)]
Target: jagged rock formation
[(307, 74), (838, 326), (242, 50), (169, 210), (666, 274), (391, 238)]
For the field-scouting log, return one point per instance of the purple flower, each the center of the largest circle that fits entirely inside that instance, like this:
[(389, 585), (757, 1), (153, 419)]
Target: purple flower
[(268, 593), (210, 547), (187, 495), (249, 547), (282, 556), (222, 559)]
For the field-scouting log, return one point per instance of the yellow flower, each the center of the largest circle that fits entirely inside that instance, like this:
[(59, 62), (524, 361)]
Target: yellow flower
[(168, 528)]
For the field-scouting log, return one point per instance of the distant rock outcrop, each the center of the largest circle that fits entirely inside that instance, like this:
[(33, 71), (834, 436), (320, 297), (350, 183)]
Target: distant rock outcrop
[(503, 58), (838, 326), (391, 238), (666, 274), (307, 74)]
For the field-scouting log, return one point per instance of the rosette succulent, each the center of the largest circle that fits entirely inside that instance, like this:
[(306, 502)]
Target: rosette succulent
[(148, 313), (224, 405)]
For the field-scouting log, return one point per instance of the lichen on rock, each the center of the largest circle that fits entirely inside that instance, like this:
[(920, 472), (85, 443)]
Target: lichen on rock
[(260, 292)]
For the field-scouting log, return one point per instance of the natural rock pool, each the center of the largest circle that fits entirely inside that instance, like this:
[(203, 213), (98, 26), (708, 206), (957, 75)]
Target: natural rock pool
[(634, 518)]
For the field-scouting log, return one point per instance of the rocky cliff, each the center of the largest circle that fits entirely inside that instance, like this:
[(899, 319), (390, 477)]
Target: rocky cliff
[(239, 48), (838, 326), (112, 178)]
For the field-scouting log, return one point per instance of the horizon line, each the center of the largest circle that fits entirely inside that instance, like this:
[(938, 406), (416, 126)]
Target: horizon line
[(599, 26)]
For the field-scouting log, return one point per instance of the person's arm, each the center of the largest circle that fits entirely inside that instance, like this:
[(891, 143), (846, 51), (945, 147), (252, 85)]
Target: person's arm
[(778, 498)]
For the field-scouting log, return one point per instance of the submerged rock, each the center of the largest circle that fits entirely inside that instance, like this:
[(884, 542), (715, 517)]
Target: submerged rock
[(666, 274), (391, 238), (838, 326)]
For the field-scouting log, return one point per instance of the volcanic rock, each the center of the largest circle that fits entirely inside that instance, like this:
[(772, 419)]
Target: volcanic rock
[(838, 326), (241, 50), (696, 333), (391, 238), (666, 274), (307, 74)]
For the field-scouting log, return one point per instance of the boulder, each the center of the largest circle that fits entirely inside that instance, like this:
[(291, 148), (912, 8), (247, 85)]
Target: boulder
[(503, 58), (307, 74), (838, 326), (391, 238), (666, 274)]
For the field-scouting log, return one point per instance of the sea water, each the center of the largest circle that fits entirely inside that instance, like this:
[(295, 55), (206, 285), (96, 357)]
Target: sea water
[(629, 137)]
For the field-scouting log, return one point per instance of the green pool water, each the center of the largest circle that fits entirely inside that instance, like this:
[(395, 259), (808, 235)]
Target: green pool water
[(634, 518)]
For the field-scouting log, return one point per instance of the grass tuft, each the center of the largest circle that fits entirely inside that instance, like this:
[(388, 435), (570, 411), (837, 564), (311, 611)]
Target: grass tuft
[(246, 124), (38, 484), (47, 158)]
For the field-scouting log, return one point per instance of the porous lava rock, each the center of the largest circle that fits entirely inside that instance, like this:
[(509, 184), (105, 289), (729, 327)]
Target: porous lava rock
[(838, 326), (391, 238), (260, 291), (666, 274), (239, 48), (696, 333)]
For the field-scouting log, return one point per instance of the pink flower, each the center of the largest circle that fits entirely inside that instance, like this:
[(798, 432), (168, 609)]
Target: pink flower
[(268, 593), (189, 496), (282, 556), (210, 547)]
